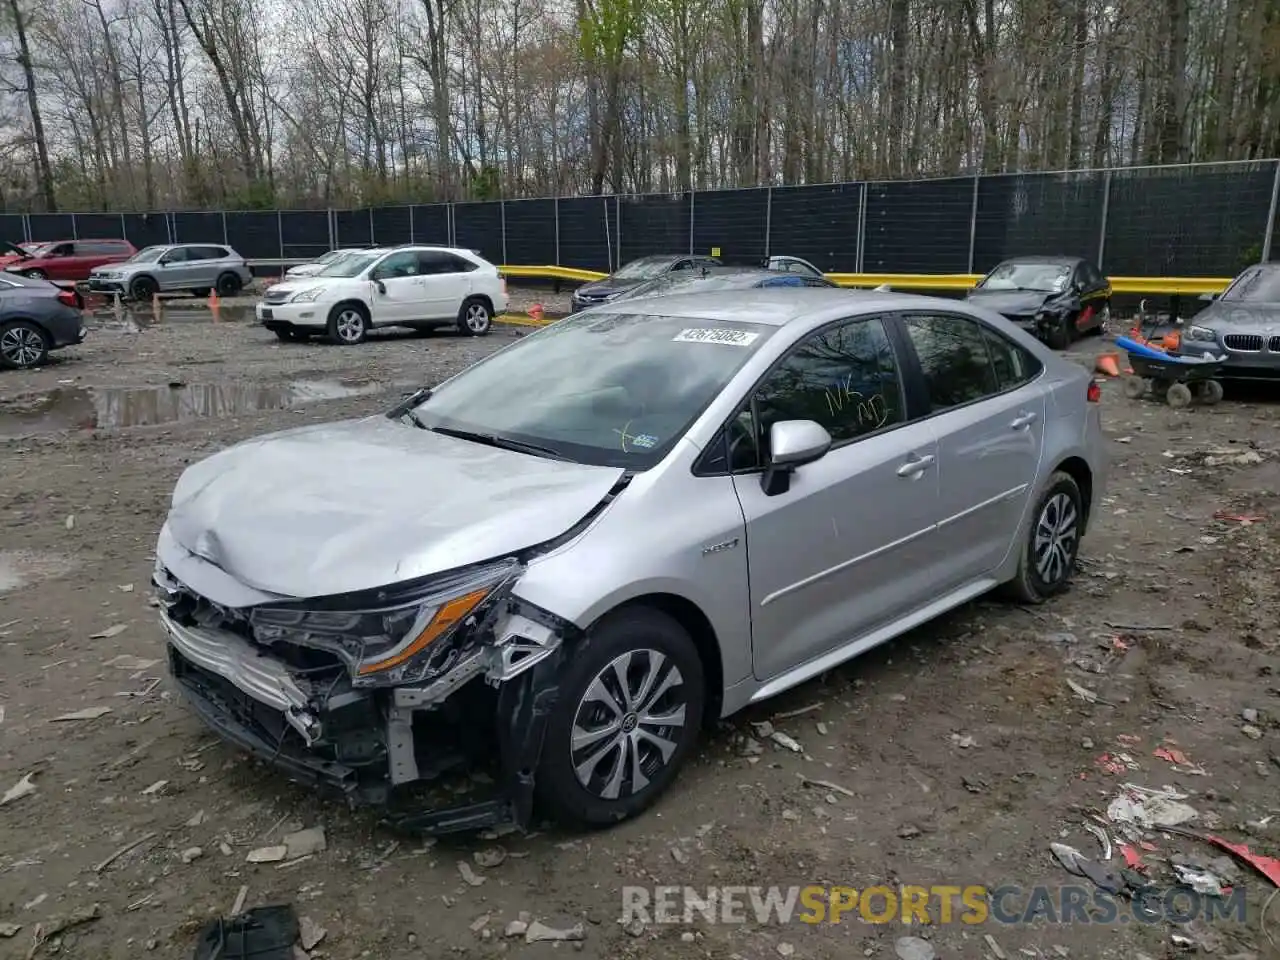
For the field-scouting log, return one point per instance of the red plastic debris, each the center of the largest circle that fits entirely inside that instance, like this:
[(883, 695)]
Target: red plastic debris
[(1148, 846), (1132, 859), (1240, 517), (1172, 755), (1110, 764), (1269, 867)]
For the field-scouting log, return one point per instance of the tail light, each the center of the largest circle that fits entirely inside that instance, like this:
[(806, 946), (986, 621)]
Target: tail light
[(1095, 392), (69, 298)]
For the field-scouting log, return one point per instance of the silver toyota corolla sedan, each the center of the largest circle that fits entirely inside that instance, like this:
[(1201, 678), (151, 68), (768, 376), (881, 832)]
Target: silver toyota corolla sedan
[(561, 564)]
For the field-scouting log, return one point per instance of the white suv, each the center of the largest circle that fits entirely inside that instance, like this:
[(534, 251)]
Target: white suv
[(410, 286)]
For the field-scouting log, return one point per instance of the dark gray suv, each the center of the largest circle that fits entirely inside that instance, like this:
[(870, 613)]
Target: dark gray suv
[(196, 267)]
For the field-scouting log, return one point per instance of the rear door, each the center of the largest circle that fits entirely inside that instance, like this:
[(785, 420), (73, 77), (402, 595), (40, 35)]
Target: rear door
[(846, 547), (447, 282), (987, 410)]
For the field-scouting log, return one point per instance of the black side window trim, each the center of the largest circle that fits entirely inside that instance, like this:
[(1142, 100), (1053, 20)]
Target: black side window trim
[(918, 371), (911, 397)]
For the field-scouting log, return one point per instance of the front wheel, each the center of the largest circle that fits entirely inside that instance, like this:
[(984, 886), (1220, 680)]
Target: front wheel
[(1059, 335), (1049, 554), (629, 713), (36, 274), (143, 288), (348, 324), (1211, 392), (23, 345), (1178, 396), (475, 318)]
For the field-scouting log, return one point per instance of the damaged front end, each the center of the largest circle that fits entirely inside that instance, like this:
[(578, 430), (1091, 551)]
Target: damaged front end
[(387, 696)]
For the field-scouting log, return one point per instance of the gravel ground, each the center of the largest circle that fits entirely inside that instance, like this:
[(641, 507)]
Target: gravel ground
[(955, 755)]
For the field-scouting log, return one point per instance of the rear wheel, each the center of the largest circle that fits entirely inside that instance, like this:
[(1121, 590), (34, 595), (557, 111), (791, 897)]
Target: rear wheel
[(1178, 396), (1053, 542), (1211, 392), (228, 285), (23, 345), (1059, 336), (1135, 387), (35, 274), (475, 318)]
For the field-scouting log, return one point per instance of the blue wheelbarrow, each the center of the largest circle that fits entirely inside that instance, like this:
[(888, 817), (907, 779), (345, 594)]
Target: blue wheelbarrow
[(1177, 379)]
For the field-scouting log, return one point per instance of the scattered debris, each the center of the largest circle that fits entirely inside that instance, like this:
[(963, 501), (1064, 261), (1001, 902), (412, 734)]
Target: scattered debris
[(782, 740), (1244, 519), (70, 522), (914, 948), (785, 949), (541, 932), (1138, 627), (268, 854), (237, 906), (264, 933), (1171, 754), (973, 783), (472, 878), (1252, 732), (155, 788), (44, 932), (1103, 839), (517, 928), (8, 930), (679, 856), (908, 832), (1269, 867), (1084, 693), (826, 785), (993, 946), (112, 631), (191, 854), (1249, 715), (489, 857), (788, 714), (963, 742), (1201, 881), (310, 933), (117, 854), (1149, 809), (88, 713), (305, 842), (196, 820), (1132, 859), (129, 662), (24, 787), (1075, 862)]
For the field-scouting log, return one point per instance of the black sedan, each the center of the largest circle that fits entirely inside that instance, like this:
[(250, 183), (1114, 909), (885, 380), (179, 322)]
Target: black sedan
[(635, 273), (36, 317), (1242, 324), (1054, 298)]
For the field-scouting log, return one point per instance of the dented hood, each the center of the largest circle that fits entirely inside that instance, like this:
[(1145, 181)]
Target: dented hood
[(367, 503)]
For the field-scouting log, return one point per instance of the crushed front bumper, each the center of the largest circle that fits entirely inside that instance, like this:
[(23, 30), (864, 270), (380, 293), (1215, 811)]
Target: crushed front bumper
[(401, 750)]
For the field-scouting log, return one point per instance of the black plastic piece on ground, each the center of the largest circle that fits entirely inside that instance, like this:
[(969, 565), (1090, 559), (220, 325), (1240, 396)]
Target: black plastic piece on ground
[(264, 933)]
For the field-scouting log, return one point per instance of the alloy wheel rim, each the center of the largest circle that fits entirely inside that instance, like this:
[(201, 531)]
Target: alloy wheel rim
[(21, 346), (1056, 538), (350, 325), (628, 724), (477, 318)]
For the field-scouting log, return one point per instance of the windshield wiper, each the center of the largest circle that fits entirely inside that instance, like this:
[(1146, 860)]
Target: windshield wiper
[(503, 443), (405, 408)]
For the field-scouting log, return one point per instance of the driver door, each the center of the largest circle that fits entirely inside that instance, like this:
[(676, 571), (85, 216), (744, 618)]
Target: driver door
[(846, 548), (173, 270), (60, 262), (403, 296)]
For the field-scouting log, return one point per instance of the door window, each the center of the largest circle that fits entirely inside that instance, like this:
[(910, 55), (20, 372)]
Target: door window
[(1014, 366), (953, 358), (402, 264), (683, 265), (61, 250), (844, 377), (177, 255)]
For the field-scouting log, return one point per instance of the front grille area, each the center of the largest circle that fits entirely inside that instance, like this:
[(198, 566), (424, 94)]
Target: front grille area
[(1274, 345), (273, 296), (1243, 342)]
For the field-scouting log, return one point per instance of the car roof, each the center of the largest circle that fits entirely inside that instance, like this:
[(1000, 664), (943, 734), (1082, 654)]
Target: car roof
[(776, 306), (1059, 260)]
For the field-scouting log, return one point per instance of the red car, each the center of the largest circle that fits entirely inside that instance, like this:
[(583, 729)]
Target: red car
[(64, 261)]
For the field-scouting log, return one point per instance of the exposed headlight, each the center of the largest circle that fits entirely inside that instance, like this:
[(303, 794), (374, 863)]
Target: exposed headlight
[(1202, 334), (402, 640), (310, 295)]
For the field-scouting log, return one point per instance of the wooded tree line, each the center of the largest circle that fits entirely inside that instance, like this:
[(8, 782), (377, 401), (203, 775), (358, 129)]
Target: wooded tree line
[(156, 104)]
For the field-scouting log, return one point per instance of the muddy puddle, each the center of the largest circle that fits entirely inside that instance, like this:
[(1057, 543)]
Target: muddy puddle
[(104, 313), (114, 408)]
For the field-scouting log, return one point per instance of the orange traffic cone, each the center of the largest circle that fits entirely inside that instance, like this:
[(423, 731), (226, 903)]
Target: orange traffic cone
[(1109, 364), (215, 305), (535, 312)]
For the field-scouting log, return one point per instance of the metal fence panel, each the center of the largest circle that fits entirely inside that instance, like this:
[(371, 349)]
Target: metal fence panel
[(583, 241), (1187, 221), (254, 234), (1037, 214), (50, 226), (530, 232), (651, 224), (391, 225), (304, 234), (431, 223), (12, 228), (197, 226), (733, 221), (352, 228), (478, 226), (144, 229), (98, 226), (919, 226), (817, 223)]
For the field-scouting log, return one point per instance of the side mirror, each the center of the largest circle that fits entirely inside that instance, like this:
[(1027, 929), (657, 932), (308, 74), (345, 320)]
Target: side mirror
[(792, 444), (382, 287)]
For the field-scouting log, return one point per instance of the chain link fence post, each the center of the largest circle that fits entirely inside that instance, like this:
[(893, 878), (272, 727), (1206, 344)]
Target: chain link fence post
[(26, 228), (502, 214), (74, 235), (768, 219), (1102, 230), (280, 234), (556, 201), (372, 239), (859, 260), (617, 216), (691, 196), (124, 228), (1271, 216), (225, 240), (412, 238), (973, 218)]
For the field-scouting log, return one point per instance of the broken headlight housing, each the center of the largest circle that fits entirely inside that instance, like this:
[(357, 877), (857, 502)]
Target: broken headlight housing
[(394, 636)]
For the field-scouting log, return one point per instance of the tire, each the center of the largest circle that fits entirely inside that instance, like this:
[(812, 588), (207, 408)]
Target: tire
[(655, 654), (35, 274), (1211, 392), (228, 285), (1104, 320), (475, 318), (1048, 556), (23, 345), (1135, 387), (348, 324), (1060, 336), (1178, 396), (143, 288), (200, 292)]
